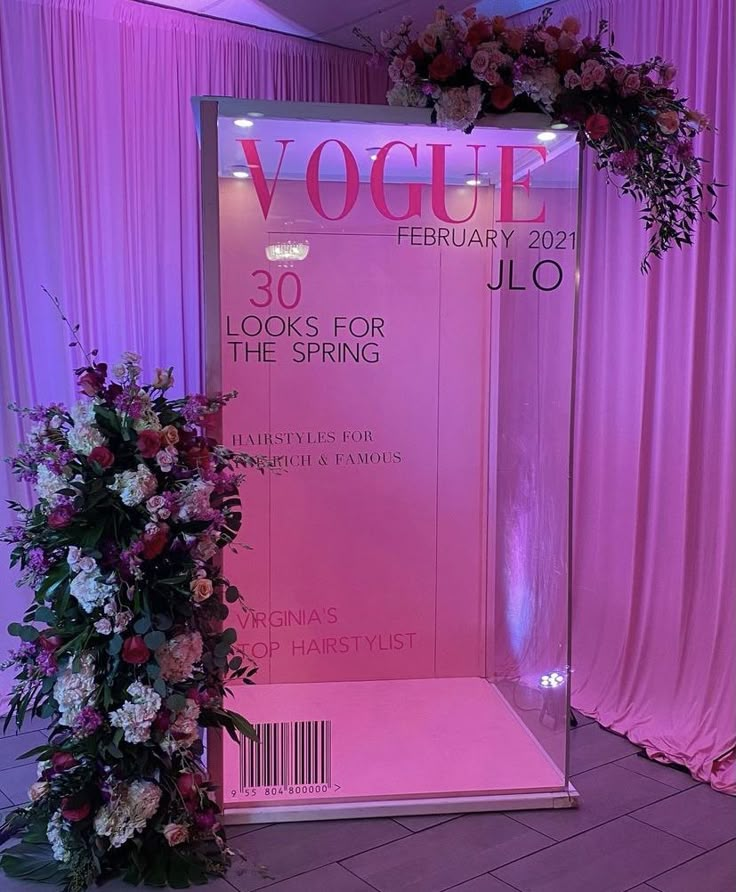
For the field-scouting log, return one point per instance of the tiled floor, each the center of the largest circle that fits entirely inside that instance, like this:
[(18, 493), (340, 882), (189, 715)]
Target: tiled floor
[(641, 827)]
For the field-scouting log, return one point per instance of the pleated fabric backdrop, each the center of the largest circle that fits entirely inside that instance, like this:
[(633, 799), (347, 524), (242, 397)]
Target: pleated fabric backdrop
[(99, 176), (654, 577)]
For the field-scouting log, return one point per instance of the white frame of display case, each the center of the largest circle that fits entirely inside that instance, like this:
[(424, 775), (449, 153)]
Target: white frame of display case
[(207, 110)]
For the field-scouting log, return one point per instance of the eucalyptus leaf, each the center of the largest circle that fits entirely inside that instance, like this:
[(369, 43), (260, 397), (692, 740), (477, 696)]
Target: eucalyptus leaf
[(154, 640)]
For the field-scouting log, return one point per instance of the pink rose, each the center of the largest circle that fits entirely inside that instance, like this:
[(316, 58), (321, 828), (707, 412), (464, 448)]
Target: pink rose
[(103, 456), (409, 68), (597, 126), (201, 589), (667, 74), (572, 80), (668, 122), (38, 790), (480, 62), (619, 73), (149, 443), (176, 834), (135, 651), (586, 80), (165, 460), (631, 83)]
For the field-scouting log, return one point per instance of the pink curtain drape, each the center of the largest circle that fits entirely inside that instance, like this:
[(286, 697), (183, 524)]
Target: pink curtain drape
[(99, 185), (654, 609)]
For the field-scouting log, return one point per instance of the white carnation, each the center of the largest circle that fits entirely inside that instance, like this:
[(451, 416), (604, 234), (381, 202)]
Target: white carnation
[(48, 484), (84, 435), (56, 837), (73, 689), (129, 810), (89, 588), (136, 716), (134, 487)]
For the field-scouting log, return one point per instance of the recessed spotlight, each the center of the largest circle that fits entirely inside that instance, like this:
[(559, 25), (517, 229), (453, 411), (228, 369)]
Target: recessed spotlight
[(558, 125), (240, 173), (255, 114), (373, 152), (546, 136), (472, 181), (243, 122)]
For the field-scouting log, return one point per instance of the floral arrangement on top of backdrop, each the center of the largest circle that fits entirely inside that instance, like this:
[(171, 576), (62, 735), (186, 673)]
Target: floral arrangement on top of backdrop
[(468, 65), (134, 502)]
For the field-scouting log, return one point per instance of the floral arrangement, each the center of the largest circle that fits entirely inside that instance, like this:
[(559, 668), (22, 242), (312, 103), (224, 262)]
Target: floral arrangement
[(134, 502), (468, 65)]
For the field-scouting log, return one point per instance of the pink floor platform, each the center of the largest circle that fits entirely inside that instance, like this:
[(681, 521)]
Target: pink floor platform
[(385, 747)]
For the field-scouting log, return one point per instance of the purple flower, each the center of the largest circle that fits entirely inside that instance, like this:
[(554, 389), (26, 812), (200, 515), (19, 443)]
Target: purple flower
[(88, 721), (47, 663), (623, 162), (195, 408)]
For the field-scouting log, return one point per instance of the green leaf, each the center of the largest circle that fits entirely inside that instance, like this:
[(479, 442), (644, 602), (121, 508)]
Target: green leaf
[(45, 615), (236, 663), (159, 687), (176, 701), (229, 636), (115, 645), (33, 862), (231, 594), (155, 639), (28, 633), (163, 622), (15, 629), (142, 625)]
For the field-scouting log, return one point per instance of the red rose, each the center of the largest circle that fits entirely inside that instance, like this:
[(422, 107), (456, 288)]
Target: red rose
[(197, 457), (162, 720), (149, 443), (501, 97), (49, 643), (60, 517), (597, 126), (62, 762), (553, 31), (103, 456), (442, 67), (135, 650), (92, 379), (204, 820), (71, 812), (414, 51), (188, 783), (566, 60), (155, 542), (478, 33)]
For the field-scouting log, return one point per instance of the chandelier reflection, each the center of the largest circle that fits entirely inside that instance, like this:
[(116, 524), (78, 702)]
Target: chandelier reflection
[(286, 253)]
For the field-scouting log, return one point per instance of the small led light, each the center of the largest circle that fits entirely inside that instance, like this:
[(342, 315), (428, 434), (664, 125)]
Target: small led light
[(558, 125), (374, 157), (373, 152), (255, 114), (243, 122), (553, 680), (546, 136), (240, 173), (472, 181)]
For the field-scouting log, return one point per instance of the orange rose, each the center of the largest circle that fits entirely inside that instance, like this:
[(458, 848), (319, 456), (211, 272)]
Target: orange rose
[(201, 589), (176, 834), (169, 435)]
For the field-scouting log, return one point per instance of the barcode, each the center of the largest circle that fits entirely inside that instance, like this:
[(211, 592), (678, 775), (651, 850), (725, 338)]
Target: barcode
[(287, 754)]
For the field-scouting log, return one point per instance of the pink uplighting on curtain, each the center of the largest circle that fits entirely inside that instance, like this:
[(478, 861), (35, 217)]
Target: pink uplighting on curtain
[(654, 581), (99, 197)]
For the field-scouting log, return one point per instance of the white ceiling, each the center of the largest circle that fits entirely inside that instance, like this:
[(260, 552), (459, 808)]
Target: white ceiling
[(333, 20)]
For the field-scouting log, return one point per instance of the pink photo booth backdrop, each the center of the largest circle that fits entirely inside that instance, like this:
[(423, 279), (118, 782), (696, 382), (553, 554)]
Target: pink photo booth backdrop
[(410, 545)]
